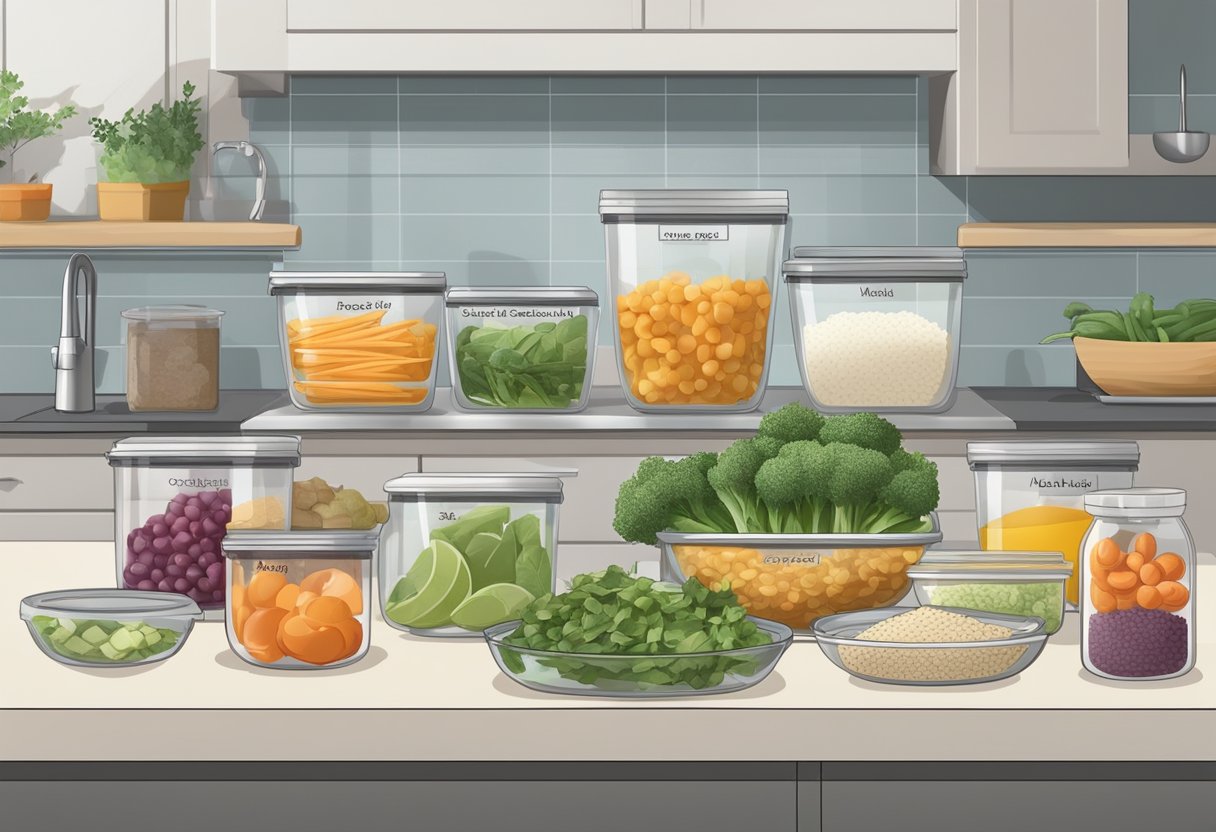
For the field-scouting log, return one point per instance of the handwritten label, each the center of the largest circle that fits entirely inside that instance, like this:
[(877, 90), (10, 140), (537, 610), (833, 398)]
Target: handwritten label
[(263, 566), (803, 558), (693, 233), (198, 482), (362, 305), (522, 314)]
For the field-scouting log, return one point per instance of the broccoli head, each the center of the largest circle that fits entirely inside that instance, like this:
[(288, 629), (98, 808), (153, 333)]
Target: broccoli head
[(793, 422), (866, 430), (792, 491), (668, 494), (733, 478), (851, 482)]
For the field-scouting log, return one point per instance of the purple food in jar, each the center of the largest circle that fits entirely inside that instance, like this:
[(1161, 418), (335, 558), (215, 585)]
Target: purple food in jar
[(192, 512), (146, 585), (157, 575), (175, 571), (179, 550), (1137, 643)]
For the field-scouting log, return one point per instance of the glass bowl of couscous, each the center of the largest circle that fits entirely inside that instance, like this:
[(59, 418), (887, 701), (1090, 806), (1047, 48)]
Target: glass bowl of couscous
[(797, 578)]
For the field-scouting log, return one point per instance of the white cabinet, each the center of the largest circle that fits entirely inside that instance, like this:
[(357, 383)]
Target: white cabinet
[(804, 16), (1041, 86), (463, 15)]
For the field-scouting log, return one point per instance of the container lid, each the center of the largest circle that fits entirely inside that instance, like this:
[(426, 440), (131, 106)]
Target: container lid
[(886, 262), (1054, 453), (99, 603), (521, 296), (505, 487), (180, 312), (672, 203), (218, 448), (1137, 502), (294, 545), (992, 565), (289, 283), (993, 556)]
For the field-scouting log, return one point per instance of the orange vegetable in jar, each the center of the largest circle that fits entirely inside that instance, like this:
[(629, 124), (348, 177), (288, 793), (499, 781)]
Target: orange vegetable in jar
[(312, 621), (1139, 578)]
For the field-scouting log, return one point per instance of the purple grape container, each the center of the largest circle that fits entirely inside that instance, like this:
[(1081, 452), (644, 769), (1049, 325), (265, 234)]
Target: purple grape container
[(175, 498)]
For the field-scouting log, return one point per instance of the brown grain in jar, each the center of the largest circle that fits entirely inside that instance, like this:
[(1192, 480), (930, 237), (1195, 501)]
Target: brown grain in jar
[(173, 358)]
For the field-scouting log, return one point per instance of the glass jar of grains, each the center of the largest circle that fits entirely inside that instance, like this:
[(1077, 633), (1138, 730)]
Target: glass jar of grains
[(173, 357)]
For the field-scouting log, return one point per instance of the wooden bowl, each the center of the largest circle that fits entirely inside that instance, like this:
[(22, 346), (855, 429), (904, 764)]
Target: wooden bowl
[(1126, 368)]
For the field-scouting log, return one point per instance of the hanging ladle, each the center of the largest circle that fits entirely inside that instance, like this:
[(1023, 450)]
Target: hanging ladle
[(1184, 145)]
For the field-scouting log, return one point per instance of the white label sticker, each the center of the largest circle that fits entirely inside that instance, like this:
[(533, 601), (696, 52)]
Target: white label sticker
[(519, 314), (1061, 484), (693, 233), (347, 304)]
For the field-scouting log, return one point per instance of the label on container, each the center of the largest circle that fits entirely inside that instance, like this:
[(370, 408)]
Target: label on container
[(356, 305), (201, 483), (1054, 483), (263, 566), (885, 292), (794, 559), (519, 314), (693, 233)]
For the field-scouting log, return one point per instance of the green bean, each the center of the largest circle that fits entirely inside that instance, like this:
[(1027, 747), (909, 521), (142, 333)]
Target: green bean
[(1162, 335), (1076, 308), (1195, 331), (1138, 332)]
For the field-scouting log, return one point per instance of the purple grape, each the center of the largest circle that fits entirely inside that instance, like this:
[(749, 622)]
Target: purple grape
[(195, 551), (207, 559), (181, 585), (139, 544), (211, 528), (180, 499), (173, 512), (128, 579), (192, 512), (208, 544), (180, 524), (157, 575), (195, 529), (204, 584), (206, 497), (159, 529), (194, 572), (181, 542), (220, 516), (146, 585), (181, 560), (215, 572), (147, 558), (162, 545), (217, 595), (165, 585), (139, 570), (174, 571), (225, 494), (160, 561)]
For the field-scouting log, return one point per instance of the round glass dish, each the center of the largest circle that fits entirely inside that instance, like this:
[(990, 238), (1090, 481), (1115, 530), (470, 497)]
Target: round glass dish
[(592, 674), (109, 627), (933, 662)]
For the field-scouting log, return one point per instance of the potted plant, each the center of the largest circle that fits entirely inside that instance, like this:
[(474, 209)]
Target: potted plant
[(24, 201), (146, 159)]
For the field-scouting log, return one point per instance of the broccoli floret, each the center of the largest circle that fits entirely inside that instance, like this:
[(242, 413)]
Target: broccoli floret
[(903, 460), (866, 430), (857, 476), (792, 423), (665, 494), (733, 478), (792, 488)]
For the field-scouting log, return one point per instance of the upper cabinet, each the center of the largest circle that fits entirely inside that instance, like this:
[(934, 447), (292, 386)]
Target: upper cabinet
[(463, 15), (1041, 86), (802, 16)]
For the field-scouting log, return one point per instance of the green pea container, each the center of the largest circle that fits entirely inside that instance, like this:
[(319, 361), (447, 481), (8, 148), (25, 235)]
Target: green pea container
[(1011, 583)]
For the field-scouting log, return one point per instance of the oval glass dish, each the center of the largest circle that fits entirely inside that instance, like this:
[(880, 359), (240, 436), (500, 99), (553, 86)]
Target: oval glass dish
[(930, 662), (592, 674), (109, 627)]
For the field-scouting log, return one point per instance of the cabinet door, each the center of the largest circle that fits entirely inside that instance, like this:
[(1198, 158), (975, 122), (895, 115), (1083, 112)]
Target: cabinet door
[(1050, 83), (462, 15), (800, 15)]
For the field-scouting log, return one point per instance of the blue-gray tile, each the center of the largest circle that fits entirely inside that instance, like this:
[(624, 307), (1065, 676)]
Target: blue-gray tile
[(580, 194), (709, 161), (475, 237), (838, 84), (344, 161), (488, 271), (847, 194), (838, 120), (474, 84), (474, 159), (1173, 277), (243, 189), (1092, 199), (1153, 113), (717, 181), (346, 238), (1017, 321), (608, 160), (475, 119), (938, 229), (711, 84), (269, 119), (578, 237), (712, 120), (479, 194), (778, 160), (941, 194), (344, 120), (234, 165), (343, 84), (1064, 275), (344, 195), (611, 120), (1165, 33), (1034, 366), (607, 84), (852, 231), (125, 275)]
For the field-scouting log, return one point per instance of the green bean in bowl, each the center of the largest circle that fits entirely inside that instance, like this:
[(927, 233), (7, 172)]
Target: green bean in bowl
[(1189, 321)]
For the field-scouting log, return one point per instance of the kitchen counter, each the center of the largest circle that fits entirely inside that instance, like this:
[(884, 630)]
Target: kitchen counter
[(439, 699), (1069, 409), (26, 413)]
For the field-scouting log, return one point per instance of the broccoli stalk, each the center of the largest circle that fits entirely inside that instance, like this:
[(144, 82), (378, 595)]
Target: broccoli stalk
[(733, 478)]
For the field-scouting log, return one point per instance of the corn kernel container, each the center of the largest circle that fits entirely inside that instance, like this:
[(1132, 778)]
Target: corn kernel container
[(692, 276)]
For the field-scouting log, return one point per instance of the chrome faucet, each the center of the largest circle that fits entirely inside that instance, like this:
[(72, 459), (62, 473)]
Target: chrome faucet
[(73, 357), (250, 149)]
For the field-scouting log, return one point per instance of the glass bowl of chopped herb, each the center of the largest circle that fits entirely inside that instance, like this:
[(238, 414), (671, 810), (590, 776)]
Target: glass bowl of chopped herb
[(109, 627), (616, 634), (930, 645)]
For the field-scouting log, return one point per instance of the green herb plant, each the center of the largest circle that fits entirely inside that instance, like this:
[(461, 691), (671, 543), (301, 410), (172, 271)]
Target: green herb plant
[(1191, 320), (19, 126), (801, 474), (613, 613), (532, 366), (152, 146)]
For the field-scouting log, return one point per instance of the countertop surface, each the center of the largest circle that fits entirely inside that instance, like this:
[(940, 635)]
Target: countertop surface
[(22, 413), (1070, 409), (429, 699)]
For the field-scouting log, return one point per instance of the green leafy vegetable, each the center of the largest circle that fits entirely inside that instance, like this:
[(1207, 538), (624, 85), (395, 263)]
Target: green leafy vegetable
[(533, 569), (1191, 320), (613, 613), (533, 366), (19, 126), (154, 145)]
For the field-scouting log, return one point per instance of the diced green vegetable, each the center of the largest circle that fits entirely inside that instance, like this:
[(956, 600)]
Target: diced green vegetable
[(532, 366), (104, 641)]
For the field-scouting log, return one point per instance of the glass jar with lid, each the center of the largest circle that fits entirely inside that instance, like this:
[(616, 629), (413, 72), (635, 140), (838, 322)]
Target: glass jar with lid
[(1138, 585), (173, 358)]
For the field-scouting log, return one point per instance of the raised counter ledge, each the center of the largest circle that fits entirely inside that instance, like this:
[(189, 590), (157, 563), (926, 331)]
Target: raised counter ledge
[(35, 413), (443, 699)]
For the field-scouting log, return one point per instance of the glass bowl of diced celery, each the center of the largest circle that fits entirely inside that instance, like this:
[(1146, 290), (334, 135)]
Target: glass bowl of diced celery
[(109, 627)]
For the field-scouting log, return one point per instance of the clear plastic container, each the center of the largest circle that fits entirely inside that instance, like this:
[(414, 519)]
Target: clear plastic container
[(1030, 495), (462, 552), (173, 358), (109, 627), (795, 579), (1138, 586), (299, 600), (693, 282), (524, 349), (176, 496), (360, 340), (877, 329), (1012, 583)]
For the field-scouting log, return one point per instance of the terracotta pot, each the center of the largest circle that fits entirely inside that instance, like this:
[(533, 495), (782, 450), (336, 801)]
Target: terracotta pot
[(127, 201), (25, 203), (1133, 368)]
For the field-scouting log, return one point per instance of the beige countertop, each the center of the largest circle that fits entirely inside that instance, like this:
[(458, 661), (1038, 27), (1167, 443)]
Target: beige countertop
[(425, 699)]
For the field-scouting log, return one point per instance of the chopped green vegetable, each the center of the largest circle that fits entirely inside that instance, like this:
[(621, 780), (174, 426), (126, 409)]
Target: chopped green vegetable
[(103, 641), (1191, 320), (532, 366), (613, 613)]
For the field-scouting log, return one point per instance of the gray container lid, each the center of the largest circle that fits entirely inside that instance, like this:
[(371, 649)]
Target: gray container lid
[(110, 603), (885, 262), (521, 296), (1049, 453), (368, 283), (173, 313), (506, 488), (334, 544), (1137, 502), (170, 450), (670, 204)]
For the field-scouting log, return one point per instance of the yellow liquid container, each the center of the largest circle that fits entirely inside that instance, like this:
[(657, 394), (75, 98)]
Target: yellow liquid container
[(1030, 496)]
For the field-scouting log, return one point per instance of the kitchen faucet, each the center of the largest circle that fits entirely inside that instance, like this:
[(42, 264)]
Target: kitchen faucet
[(73, 357)]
